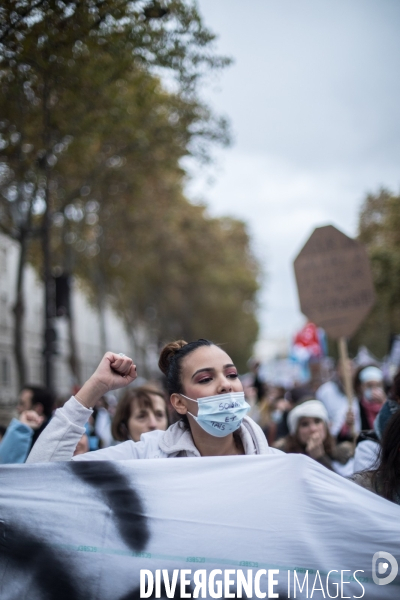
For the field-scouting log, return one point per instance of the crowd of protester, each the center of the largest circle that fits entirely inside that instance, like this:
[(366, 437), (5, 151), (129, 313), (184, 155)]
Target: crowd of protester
[(360, 440)]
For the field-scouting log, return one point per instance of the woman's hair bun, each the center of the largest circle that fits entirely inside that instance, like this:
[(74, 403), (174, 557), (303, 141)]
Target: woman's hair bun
[(168, 352)]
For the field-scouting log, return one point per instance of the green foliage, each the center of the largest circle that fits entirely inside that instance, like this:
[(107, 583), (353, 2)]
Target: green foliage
[(89, 133), (62, 69), (379, 230)]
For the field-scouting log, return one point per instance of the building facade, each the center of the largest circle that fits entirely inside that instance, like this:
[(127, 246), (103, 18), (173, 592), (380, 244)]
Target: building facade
[(86, 325)]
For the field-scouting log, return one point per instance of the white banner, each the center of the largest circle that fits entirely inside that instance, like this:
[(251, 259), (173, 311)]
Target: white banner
[(248, 526)]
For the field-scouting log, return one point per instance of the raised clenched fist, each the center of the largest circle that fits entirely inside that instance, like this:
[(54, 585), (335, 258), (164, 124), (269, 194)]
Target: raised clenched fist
[(114, 371)]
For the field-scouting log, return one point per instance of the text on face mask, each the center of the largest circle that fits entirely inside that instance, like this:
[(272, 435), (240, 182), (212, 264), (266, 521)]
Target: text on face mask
[(217, 425), (227, 405)]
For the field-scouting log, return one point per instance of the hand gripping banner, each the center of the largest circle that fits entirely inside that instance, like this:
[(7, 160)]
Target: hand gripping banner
[(230, 527)]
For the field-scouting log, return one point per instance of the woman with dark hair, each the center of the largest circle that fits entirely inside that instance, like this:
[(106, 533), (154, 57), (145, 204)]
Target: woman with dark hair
[(368, 443), (139, 410), (368, 387), (384, 480), (309, 435), (39, 399), (204, 389)]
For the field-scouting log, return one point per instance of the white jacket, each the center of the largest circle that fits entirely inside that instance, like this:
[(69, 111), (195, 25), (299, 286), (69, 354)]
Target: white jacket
[(58, 441), (366, 455)]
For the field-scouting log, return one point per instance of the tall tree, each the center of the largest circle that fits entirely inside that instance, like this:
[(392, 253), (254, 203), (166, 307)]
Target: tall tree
[(55, 59), (379, 230)]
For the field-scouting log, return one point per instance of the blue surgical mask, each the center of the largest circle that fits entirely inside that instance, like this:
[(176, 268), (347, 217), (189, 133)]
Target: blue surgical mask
[(221, 414), (368, 394)]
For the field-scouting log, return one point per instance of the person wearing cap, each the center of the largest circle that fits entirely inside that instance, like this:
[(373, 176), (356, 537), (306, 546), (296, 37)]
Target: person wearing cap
[(369, 388), (369, 440), (309, 434)]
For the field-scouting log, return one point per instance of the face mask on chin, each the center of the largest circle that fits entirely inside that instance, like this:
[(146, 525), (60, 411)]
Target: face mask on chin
[(368, 394), (221, 414)]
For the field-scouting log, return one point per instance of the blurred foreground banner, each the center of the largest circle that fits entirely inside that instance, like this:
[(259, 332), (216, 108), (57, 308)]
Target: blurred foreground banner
[(255, 526)]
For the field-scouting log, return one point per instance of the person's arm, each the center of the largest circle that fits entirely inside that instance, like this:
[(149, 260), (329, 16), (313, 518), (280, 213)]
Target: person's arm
[(16, 443), (58, 441), (14, 446)]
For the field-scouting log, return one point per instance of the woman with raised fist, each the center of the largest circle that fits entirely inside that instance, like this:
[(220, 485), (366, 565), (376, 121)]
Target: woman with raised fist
[(204, 389)]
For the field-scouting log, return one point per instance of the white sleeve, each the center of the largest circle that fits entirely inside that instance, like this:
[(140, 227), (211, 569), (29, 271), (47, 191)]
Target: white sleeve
[(272, 450), (365, 455), (58, 440), (126, 451)]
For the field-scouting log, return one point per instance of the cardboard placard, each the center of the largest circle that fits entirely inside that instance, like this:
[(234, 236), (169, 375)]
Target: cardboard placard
[(334, 282)]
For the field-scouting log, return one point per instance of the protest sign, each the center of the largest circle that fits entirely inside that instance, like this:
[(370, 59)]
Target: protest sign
[(249, 526), (335, 287), (334, 282)]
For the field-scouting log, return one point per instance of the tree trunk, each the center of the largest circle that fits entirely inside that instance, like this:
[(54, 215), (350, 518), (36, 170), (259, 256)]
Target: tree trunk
[(73, 359), (49, 333), (19, 311), (101, 308), (24, 231)]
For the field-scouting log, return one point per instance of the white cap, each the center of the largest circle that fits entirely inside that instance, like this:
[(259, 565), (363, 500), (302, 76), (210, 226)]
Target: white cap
[(371, 374), (311, 408)]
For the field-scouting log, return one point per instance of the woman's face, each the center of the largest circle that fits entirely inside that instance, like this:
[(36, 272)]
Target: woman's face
[(310, 427), (144, 419), (207, 371), (373, 391)]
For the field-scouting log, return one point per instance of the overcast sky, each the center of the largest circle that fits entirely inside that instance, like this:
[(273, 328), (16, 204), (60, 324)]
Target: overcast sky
[(313, 97)]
